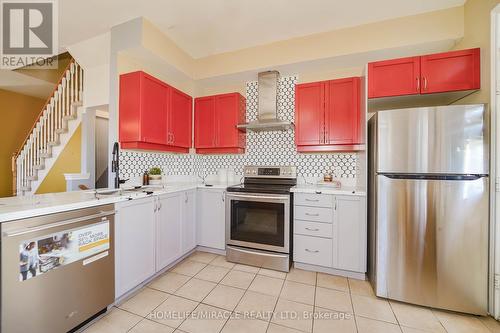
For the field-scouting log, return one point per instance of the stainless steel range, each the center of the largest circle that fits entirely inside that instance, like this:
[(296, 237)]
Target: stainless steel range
[(258, 218)]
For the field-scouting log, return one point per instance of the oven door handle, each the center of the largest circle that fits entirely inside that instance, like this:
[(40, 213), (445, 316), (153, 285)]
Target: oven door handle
[(264, 197)]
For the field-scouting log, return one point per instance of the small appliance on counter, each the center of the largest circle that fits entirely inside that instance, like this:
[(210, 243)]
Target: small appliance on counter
[(258, 218)]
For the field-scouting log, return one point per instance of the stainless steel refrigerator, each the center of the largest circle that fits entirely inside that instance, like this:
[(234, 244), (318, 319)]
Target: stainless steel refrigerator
[(429, 206)]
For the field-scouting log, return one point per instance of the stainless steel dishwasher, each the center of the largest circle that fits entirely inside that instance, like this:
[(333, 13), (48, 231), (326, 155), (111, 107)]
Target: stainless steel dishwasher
[(57, 270)]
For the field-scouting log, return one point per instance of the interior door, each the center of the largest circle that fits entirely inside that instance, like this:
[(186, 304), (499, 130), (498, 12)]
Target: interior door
[(450, 71), (342, 114), (204, 118), (180, 118), (154, 111), (394, 77), (432, 242), (226, 118), (310, 114)]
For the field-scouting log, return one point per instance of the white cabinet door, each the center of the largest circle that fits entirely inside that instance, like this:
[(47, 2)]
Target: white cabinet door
[(188, 226), (211, 224), (350, 220), (134, 243), (168, 229)]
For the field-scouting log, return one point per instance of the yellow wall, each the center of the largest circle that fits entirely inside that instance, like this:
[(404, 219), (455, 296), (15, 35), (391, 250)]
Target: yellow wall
[(18, 113), (69, 161), (477, 25)]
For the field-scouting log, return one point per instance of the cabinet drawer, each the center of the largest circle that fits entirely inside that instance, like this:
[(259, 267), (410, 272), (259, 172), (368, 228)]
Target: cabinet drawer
[(315, 200), (312, 250), (315, 214), (312, 229)]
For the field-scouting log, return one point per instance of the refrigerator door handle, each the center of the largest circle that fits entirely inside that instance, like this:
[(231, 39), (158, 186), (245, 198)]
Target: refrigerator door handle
[(432, 176)]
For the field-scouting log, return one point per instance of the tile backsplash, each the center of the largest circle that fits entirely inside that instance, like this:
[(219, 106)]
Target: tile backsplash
[(264, 148)]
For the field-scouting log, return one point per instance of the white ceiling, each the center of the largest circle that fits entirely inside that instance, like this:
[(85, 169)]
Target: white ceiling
[(207, 27)]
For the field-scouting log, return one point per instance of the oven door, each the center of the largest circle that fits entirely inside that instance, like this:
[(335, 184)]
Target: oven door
[(258, 221)]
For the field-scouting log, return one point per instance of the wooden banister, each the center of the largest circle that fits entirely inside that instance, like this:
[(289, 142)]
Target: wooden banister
[(18, 151), (14, 174)]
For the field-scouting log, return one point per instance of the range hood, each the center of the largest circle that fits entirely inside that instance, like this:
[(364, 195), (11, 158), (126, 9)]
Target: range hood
[(267, 116)]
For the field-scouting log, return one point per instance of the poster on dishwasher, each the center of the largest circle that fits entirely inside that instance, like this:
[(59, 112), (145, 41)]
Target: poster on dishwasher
[(40, 255)]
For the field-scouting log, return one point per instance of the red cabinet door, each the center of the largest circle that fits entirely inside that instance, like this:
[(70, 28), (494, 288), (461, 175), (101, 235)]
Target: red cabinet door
[(309, 113), (180, 119), (154, 111), (450, 71), (394, 77), (130, 106), (226, 119), (342, 113), (204, 122)]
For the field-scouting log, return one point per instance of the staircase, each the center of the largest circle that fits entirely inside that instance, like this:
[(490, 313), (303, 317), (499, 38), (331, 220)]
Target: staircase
[(54, 126)]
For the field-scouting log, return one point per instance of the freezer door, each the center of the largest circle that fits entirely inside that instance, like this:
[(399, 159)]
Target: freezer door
[(446, 139), (432, 242)]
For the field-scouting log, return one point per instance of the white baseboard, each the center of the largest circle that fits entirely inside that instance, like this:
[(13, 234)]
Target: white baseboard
[(333, 271), (211, 250)]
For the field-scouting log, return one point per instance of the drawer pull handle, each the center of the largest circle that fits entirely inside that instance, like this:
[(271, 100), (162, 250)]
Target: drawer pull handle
[(312, 200), (312, 251), (312, 229), (309, 214)]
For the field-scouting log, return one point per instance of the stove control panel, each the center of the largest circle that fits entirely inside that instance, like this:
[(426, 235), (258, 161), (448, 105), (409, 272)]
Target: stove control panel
[(270, 172)]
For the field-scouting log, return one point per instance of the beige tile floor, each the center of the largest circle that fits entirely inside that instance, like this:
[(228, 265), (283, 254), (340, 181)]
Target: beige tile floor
[(207, 294)]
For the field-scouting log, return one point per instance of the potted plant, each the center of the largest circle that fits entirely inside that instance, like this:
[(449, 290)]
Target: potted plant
[(155, 176)]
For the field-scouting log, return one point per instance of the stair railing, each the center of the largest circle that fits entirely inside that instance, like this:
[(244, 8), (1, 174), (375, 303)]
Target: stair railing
[(50, 123)]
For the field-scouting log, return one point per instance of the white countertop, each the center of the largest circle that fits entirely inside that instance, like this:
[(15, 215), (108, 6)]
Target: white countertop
[(15, 208), (325, 189)]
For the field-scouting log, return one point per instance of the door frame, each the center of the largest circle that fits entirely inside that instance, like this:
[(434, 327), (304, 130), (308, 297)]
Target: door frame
[(494, 264)]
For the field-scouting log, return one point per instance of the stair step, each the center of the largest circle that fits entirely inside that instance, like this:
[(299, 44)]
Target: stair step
[(72, 116), (39, 166), (54, 143), (32, 178), (46, 155), (61, 130)]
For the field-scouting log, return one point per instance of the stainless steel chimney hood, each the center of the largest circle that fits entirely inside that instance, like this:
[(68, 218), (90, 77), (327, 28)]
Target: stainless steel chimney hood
[(267, 117)]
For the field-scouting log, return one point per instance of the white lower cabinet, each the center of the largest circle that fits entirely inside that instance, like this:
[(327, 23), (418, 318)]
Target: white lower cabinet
[(168, 229), (330, 231), (313, 250), (188, 225), (134, 243), (150, 234), (350, 217), (211, 224)]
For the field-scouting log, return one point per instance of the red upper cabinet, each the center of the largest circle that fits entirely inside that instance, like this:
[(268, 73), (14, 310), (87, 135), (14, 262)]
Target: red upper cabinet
[(343, 114), (181, 106), (309, 113), (435, 73), (450, 71), (328, 116), (394, 77), (153, 115), (204, 122), (216, 118)]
